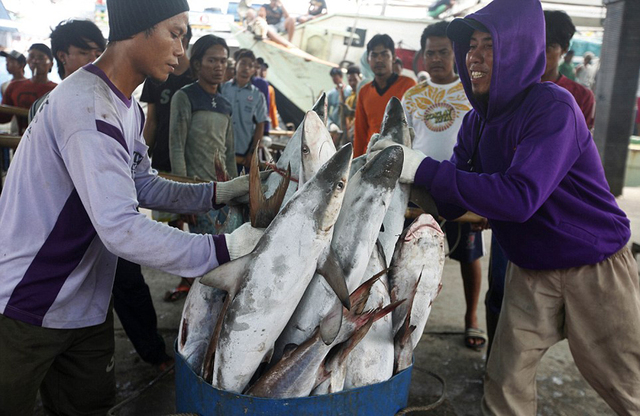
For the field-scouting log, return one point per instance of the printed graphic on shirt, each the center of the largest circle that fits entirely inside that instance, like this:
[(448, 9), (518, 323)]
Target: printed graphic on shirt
[(436, 107)]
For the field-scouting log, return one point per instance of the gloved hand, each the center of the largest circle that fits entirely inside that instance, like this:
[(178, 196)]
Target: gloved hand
[(243, 240), (412, 159), (230, 190)]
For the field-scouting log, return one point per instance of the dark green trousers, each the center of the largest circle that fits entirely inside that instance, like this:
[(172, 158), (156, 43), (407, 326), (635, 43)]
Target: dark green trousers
[(73, 368)]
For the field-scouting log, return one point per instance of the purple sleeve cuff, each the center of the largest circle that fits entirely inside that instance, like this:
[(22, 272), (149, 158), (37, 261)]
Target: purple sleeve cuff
[(213, 200), (222, 252), (426, 172)]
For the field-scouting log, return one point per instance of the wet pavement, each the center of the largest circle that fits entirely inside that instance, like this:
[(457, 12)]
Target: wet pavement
[(561, 388)]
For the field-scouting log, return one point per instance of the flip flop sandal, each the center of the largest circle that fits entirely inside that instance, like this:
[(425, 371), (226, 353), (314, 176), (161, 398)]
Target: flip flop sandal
[(471, 334), (176, 294)]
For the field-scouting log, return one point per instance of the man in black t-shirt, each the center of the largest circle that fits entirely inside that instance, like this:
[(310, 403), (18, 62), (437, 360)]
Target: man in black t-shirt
[(158, 99), (278, 18)]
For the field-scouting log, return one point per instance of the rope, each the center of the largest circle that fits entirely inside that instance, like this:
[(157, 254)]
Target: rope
[(457, 239), (432, 405)]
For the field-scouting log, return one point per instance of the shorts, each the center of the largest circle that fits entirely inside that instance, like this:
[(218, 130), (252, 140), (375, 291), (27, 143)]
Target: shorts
[(470, 247), (278, 27)]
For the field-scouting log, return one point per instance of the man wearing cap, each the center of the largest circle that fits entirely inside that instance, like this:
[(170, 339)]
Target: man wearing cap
[(69, 209), (15, 63), (24, 94), (15, 66), (526, 160)]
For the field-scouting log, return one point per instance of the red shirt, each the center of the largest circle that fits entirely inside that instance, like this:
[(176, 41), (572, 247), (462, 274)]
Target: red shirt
[(23, 94), (584, 97)]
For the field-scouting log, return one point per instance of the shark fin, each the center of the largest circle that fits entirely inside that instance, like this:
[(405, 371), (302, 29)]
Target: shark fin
[(422, 198), (330, 325), (228, 276), (331, 270), (320, 107)]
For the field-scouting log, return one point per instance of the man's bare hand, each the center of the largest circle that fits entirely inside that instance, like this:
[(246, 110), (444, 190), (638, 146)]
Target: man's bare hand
[(478, 223)]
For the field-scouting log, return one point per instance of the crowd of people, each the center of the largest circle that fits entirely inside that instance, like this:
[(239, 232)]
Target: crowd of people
[(511, 152)]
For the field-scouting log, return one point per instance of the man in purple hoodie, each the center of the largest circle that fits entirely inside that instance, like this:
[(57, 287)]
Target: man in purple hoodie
[(526, 160)]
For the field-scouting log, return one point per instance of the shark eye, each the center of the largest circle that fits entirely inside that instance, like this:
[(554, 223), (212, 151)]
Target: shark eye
[(340, 185), (305, 150)]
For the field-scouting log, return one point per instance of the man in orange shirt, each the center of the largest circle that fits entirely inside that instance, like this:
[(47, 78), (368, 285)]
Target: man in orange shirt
[(374, 96)]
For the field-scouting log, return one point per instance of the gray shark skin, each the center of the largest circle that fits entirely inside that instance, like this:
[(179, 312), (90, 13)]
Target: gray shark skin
[(372, 359), (291, 154), (199, 316), (266, 285), (394, 127), (416, 273), (354, 238), (301, 370)]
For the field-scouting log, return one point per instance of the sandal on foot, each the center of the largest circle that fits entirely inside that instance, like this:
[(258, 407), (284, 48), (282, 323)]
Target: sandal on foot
[(177, 293), (477, 335)]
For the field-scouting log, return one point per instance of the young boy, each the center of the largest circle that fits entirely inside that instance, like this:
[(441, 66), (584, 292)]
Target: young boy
[(248, 106)]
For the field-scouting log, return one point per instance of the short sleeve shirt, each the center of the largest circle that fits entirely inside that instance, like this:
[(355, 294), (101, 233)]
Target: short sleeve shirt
[(274, 14), (248, 108), (160, 95), (435, 111)]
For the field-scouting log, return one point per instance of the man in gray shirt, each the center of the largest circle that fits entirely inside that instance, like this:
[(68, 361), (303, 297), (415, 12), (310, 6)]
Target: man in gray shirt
[(248, 107)]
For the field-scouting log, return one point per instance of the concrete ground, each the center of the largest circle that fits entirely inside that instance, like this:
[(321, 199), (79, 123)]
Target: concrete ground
[(561, 388)]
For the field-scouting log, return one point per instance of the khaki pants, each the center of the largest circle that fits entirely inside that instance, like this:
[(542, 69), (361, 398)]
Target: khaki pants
[(73, 368), (596, 307)]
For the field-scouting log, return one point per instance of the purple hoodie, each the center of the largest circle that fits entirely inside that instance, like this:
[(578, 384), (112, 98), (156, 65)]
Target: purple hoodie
[(540, 182)]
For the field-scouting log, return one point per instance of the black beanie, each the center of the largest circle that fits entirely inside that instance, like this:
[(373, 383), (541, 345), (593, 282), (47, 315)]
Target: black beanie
[(130, 17)]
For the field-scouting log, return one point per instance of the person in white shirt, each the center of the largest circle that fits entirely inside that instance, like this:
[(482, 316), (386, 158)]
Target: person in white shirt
[(435, 109)]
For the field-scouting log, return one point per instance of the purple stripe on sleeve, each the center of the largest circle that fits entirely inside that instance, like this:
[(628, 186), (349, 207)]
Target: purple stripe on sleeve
[(58, 257), (97, 71), (141, 119), (112, 131), (222, 252)]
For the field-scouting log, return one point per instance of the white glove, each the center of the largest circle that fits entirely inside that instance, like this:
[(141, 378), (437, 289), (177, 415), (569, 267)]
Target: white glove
[(412, 159), (243, 240), (230, 190)]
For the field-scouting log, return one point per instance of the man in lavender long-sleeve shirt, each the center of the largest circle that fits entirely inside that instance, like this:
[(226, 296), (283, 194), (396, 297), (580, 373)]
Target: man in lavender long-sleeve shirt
[(526, 160), (69, 209)]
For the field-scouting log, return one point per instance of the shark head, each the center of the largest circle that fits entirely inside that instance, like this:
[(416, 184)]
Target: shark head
[(384, 169), (394, 124), (331, 180), (316, 146)]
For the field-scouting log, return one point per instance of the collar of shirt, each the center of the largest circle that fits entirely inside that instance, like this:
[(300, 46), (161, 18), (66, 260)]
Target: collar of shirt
[(390, 81), (247, 86)]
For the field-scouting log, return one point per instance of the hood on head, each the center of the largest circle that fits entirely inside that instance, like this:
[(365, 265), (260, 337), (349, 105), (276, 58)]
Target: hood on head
[(519, 60)]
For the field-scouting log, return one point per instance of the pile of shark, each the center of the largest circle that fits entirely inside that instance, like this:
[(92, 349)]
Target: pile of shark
[(336, 293)]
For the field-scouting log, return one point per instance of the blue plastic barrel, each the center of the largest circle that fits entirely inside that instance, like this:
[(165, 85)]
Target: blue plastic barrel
[(194, 395)]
